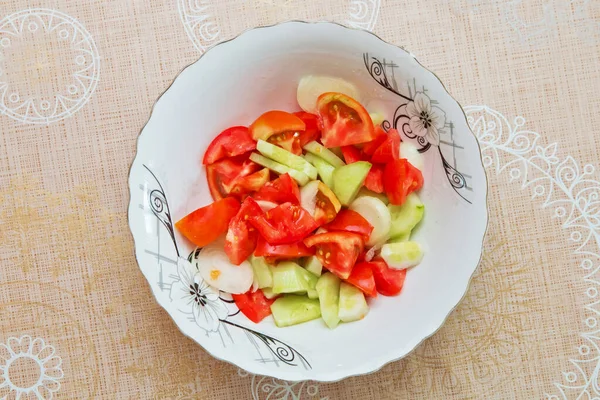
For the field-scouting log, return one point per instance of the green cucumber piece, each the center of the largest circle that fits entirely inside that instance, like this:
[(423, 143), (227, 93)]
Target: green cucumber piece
[(286, 158), (313, 265), (328, 288), (353, 305), (402, 255), (268, 292), (262, 272), (348, 180), (324, 169), (406, 216), (402, 238), (321, 151), (300, 177), (312, 294), (289, 277), (293, 309), (364, 192)]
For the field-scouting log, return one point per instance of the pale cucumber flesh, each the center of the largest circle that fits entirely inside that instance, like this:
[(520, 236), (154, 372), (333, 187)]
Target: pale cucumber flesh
[(328, 288), (293, 309), (289, 277), (274, 166), (402, 255), (324, 169), (313, 265), (406, 216), (286, 158), (268, 292), (262, 272), (321, 151), (352, 304), (348, 180)]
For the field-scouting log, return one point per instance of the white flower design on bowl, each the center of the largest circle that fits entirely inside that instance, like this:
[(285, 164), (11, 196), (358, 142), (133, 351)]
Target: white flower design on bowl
[(29, 368), (197, 298), (425, 120)]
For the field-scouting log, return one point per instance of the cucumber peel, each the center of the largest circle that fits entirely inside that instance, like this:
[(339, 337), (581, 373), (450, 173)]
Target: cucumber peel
[(293, 309), (286, 158), (324, 169), (328, 288), (274, 166), (348, 180), (352, 305), (321, 151)]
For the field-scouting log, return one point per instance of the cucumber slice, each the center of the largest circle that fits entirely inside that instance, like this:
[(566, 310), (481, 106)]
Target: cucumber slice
[(348, 180), (368, 193), (352, 305), (402, 255), (313, 265), (406, 216), (328, 288), (321, 151), (402, 238), (268, 292), (262, 272), (292, 309), (373, 210), (289, 277), (324, 169), (286, 158), (411, 153), (274, 166), (312, 294)]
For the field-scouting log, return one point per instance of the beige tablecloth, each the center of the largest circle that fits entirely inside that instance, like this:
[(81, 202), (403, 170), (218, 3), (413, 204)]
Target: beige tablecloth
[(77, 81)]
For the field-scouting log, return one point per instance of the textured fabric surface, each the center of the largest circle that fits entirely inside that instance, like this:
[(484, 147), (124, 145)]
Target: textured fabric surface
[(77, 82)]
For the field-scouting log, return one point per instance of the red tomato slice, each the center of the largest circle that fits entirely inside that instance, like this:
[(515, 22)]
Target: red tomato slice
[(221, 175), (337, 251), (250, 183), (312, 130), (327, 205), (374, 179), (241, 237), (345, 121), (400, 179), (350, 221), (273, 253), (362, 278), (389, 150), (282, 190), (352, 154), (380, 137), (206, 224), (231, 142), (274, 122), (389, 282), (253, 305), (286, 223)]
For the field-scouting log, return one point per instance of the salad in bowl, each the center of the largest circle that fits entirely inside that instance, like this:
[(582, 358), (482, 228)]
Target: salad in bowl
[(307, 202)]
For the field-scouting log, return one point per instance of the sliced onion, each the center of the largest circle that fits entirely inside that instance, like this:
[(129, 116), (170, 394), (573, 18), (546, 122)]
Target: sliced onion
[(411, 153), (308, 197), (370, 254), (311, 87), (266, 205), (216, 269), (377, 214)]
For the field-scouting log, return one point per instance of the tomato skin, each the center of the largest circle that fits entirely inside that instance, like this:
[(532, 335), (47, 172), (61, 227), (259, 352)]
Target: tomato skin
[(400, 179), (362, 277), (222, 174), (274, 122), (241, 237), (345, 121), (389, 282), (312, 129), (327, 205), (206, 224), (389, 150), (281, 190), (352, 154), (286, 223), (374, 179), (274, 253), (250, 183), (380, 137), (350, 221), (337, 251), (229, 143), (253, 305)]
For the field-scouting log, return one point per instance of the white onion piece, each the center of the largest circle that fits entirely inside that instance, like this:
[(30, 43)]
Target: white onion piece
[(216, 269), (376, 212), (370, 254), (411, 153), (308, 197), (311, 87), (266, 205)]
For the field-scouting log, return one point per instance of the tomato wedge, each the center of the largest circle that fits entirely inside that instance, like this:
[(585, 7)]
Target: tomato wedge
[(337, 251), (287, 140), (286, 223), (253, 305), (231, 142), (250, 183), (350, 221), (362, 278), (389, 282), (400, 179), (281, 190), (241, 237), (327, 205), (352, 154), (221, 175), (380, 137), (389, 150), (345, 121), (206, 224), (274, 122), (273, 253), (312, 129), (374, 179)]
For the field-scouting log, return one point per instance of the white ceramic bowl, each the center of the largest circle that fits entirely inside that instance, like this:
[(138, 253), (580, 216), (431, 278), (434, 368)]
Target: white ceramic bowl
[(233, 83)]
